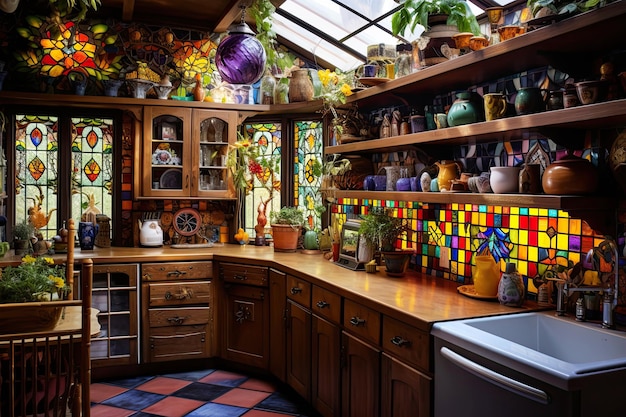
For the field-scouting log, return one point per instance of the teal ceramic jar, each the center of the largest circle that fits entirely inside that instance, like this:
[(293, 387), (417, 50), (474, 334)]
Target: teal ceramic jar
[(463, 111), (529, 100)]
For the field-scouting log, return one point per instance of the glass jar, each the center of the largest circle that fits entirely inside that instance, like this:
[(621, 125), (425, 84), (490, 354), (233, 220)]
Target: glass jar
[(403, 64), (281, 91), (266, 89)]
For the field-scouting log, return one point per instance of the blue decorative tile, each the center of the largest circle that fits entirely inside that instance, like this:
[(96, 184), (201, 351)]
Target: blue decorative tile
[(278, 402), (132, 382), (201, 392), (214, 409), (134, 400)]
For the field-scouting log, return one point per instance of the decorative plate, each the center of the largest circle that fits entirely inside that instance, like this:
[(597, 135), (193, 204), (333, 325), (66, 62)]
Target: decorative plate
[(172, 179), (470, 291), (161, 157), (187, 222)]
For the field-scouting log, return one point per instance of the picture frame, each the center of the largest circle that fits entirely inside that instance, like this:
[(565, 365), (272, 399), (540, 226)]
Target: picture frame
[(168, 131)]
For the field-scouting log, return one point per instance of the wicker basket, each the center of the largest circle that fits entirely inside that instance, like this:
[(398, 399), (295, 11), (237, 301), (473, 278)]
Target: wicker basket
[(29, 317)]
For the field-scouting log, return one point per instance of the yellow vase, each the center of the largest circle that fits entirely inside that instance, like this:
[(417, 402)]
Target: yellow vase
[(486, 276)]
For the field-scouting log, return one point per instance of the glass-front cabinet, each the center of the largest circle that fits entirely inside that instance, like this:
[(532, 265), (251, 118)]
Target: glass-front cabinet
[(184, 152)]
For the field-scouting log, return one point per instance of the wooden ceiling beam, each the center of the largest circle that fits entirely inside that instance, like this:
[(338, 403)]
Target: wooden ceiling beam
[(128, 9), (232, 13)]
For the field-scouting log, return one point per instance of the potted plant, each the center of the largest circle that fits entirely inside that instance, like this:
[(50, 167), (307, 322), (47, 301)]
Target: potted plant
[(286, 226), (381, 230), (420, 12), (22, 235), (543, 8)]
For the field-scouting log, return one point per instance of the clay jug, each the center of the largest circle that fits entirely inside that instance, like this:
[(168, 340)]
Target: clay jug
[(300, 86), (198, 90), (486, 275), (511, 287), (570, 175), (448, 171)]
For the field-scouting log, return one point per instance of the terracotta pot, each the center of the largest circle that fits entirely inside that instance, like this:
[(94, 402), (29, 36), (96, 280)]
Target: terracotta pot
[(300, 86), (396, 262), (570, 175), (285, 237)]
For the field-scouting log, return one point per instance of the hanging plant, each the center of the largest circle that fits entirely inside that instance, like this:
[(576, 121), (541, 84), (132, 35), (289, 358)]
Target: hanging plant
[(278, 59)]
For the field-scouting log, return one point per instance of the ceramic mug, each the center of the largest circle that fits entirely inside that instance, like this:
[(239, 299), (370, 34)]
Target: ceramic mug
[(370, 70), (441, 120), (495, 106)]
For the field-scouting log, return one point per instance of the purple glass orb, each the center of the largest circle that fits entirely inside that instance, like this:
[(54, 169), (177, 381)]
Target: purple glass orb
[(240, 58)]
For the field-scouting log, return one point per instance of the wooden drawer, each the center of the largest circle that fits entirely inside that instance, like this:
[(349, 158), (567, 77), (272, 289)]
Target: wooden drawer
[(299, 291), (244, 274), (361, 321), (177, 342), (326, 304), (176, 271), (406, 342), (178, 316), (178, 293)]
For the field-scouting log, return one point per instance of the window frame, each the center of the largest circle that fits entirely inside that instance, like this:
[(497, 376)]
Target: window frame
[(64, 116)]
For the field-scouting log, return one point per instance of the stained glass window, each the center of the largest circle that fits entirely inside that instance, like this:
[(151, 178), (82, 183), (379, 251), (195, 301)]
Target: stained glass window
[(39, 149), (308, 137), (268, 137)]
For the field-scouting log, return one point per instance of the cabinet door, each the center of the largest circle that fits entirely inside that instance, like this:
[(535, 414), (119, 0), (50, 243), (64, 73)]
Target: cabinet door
[(167, 152), (406, 392), (299, 349), (246, 332), (114, 293), (325, 369), (278, 321), (360, 385), (212, 132)]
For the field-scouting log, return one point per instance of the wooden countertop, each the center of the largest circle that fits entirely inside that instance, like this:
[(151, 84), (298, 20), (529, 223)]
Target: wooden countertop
[(417, 299)]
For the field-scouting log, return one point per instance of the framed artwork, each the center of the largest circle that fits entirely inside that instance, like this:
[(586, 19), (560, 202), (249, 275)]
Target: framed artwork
[(168, 131)]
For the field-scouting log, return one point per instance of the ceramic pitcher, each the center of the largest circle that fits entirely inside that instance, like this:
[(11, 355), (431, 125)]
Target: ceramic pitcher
[(448, 171), (486, 276)]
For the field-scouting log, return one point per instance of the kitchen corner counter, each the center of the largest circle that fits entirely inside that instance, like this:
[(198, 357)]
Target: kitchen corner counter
[(416, 298)]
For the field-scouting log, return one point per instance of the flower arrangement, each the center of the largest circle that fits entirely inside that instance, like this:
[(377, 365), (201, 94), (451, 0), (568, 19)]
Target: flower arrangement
[(245, 162), (336, 86), (35, 279)]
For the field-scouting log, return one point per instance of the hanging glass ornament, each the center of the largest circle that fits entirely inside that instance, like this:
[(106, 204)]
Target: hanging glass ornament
[(240, 57)]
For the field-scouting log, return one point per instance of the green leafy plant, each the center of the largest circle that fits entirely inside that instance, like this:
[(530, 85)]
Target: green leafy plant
[(277, 58), (245, 162), (35, 279), (547, 7), (380, 229), (416, 12), (292, 216), (23, 231)]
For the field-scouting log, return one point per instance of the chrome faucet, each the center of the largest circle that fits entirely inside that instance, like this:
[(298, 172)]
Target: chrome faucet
[(610, 295)]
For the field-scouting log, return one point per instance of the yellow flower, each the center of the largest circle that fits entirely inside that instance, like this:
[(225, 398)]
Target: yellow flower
[(346, 90), (59, 282), (48, 260), (29, 259)]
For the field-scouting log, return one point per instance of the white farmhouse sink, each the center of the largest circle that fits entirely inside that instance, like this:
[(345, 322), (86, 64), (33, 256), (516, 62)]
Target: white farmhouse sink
[(556, 349)]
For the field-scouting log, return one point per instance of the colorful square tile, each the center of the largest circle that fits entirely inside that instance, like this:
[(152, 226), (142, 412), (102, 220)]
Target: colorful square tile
[(173, 407), (163, 385), (134, 400), (242, 397), (201, 392), (102, 392)]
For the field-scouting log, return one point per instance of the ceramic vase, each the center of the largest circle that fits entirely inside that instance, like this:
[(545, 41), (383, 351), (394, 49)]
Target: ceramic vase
[(570, 175), (198, 91), (511, 289), (300, 86), (504, 180), (87, 232), (310, 240), (486, 275), (464, 110), (529, 100)]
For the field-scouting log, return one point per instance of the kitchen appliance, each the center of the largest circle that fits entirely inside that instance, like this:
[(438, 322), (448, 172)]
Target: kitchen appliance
[(350, 247), (150, 233)]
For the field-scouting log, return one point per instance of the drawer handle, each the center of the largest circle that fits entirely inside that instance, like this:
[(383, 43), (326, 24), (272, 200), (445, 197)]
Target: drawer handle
[(399, 341), (176, 273), (355, 321), (185, 293), (176, 320), (240, 277), (296, 290), (322, 304), (147, 276)]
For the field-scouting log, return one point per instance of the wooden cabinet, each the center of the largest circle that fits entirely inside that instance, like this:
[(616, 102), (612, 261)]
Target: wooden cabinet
[(244, 322), (360, 378), (177, 310), (406, 387), (298, 356), (325, 351), (114, 294), (278, 323), (406, 392), (184, 152)]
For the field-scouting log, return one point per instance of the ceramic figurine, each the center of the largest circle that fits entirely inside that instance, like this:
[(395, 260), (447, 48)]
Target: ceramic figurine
[(511, 287)]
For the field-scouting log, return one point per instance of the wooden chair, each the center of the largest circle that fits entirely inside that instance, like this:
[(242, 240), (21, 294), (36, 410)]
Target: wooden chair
[(48, 373)]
